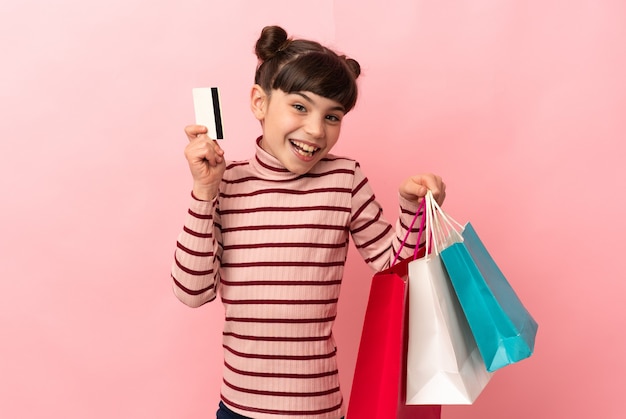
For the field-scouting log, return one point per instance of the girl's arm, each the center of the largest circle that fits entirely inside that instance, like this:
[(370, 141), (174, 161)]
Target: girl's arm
[(197, 259), (195, 270), (373, 235)]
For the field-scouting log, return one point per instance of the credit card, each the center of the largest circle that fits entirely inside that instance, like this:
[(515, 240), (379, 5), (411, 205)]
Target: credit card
[(208, 109)]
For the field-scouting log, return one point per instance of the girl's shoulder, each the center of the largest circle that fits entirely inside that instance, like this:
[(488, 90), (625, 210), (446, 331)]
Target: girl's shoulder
[(332, 161)]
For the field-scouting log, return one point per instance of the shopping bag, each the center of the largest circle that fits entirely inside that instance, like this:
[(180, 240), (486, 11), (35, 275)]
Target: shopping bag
[(503, 328), (444, 365), (378, 388)]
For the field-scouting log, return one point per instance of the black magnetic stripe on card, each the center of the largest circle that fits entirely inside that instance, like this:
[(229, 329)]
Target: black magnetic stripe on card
[(217, 113)]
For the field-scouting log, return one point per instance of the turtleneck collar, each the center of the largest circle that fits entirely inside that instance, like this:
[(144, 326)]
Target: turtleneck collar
[(268, 166)]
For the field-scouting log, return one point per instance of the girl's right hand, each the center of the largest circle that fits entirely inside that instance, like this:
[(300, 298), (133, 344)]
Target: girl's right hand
[(206, 162)]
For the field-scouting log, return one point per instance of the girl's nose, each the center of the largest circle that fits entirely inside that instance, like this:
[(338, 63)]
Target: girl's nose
[(315, 127)]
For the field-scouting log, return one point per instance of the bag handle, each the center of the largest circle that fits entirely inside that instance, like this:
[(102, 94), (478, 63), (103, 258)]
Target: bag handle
[(421, 229), (440, 228), (443, 228), (446, 217), (420, 209)]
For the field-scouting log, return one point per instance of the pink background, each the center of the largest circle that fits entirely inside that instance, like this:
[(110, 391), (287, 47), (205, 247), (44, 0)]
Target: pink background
[(519, 105)]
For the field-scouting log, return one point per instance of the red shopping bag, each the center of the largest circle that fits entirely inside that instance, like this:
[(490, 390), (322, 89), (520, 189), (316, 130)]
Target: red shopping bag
[(379, 385)]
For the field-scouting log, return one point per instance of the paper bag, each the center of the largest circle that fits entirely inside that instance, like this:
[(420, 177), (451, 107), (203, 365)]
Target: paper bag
[(504, 330), (378, 388), (444, 365)]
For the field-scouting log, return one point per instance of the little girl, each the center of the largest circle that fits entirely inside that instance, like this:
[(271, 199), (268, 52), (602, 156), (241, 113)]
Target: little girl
[(271, 234)]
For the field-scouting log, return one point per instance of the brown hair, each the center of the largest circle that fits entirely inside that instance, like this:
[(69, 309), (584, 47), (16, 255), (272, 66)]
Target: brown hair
[(302, 65)]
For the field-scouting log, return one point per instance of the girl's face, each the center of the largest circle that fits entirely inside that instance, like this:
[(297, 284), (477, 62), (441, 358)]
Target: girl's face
[(299, 129)]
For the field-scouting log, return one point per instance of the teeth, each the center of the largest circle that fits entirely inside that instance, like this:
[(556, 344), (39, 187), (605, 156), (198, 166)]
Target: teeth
[(304, 148), (303, 153)]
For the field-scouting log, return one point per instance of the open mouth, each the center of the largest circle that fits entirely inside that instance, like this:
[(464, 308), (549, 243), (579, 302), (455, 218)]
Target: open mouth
[(303, 149)]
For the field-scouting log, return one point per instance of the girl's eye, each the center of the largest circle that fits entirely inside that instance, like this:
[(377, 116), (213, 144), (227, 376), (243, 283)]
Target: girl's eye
[(299, 107), (333, 118)]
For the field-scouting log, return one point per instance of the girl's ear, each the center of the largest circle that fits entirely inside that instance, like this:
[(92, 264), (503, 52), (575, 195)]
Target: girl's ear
[(258, 102)]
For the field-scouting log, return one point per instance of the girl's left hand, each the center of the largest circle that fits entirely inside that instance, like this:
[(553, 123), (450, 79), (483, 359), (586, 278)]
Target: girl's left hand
[(415, 188)]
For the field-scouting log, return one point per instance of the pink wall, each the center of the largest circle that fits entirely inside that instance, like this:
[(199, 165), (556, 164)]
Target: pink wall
[(519, 105)]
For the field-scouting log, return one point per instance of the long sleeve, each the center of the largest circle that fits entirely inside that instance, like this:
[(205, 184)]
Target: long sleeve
[(195, 270), (373, 236)]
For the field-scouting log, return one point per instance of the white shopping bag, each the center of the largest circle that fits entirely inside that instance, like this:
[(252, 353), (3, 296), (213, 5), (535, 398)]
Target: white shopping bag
[(444, 365)]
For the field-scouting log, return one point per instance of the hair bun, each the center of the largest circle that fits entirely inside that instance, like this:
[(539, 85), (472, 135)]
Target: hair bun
[(354, 66), (272, 40)]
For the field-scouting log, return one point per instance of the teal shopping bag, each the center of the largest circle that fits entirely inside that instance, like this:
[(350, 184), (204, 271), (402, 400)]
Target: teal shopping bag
[(503, 328)]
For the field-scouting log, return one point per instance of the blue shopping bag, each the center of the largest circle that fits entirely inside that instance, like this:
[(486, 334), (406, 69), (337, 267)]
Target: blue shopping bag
[(503, 328)]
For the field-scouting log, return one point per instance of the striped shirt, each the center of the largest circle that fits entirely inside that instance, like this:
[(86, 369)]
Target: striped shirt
[(273, 245)]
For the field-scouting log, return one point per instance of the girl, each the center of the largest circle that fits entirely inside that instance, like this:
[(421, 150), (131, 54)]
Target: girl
[(271, 234)]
